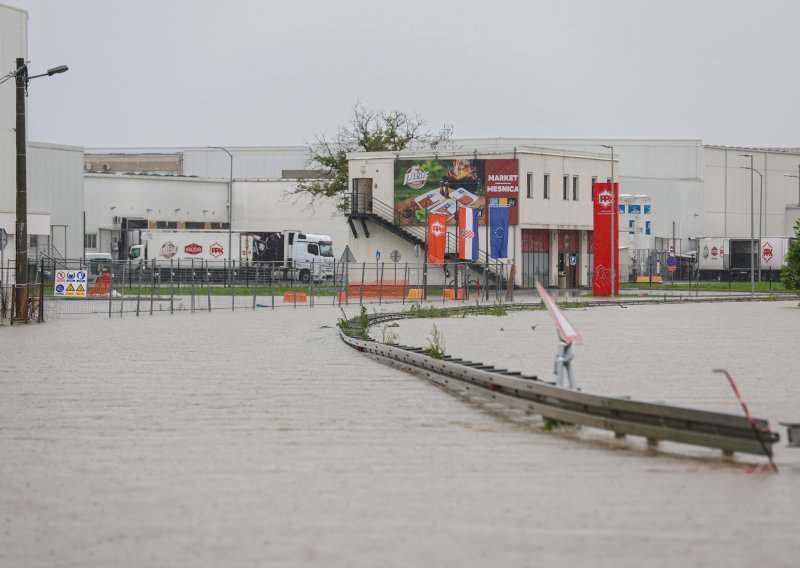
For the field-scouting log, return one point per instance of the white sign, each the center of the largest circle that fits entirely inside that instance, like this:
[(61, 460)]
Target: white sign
[(70, 283)]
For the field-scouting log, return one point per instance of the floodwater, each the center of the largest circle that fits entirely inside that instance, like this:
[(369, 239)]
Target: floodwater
[(257, 438)]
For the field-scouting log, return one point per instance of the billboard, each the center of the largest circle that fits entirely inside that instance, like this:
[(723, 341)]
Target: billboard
[(606, 223), (443, 186), (502, 186)]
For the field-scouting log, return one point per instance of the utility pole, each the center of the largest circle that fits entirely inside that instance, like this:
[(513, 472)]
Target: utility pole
[(21, 234), (22, 79)]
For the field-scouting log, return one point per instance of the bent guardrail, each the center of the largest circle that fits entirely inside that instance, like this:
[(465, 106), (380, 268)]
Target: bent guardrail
[(653, 421)]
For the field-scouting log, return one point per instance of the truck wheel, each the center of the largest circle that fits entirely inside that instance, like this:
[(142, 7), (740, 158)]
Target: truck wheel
[(305, 276)]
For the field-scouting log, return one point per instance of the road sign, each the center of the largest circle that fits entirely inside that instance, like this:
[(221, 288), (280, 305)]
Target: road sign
[(672, 263), (377, 256), (395, 255), (416, 251), (3, 238)]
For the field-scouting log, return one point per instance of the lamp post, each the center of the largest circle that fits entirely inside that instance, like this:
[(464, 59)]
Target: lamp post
[(798, 182), (760, 212), (230, 207), (614, 216), (22, 78), (752, 236)]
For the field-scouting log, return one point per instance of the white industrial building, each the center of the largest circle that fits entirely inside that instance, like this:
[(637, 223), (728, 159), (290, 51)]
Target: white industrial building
[(119, 206), (673, 192), (54, 172), (555, 216)]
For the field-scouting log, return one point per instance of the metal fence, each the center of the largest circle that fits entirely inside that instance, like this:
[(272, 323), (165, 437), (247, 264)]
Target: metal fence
[(659, 266), (118, 288)]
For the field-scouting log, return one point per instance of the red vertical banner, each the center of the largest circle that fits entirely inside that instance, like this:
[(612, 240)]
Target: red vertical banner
[(606, 224), (437, 238), (502, 186)]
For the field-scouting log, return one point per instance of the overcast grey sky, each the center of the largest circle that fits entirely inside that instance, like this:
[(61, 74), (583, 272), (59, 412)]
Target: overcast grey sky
[(261, 72)]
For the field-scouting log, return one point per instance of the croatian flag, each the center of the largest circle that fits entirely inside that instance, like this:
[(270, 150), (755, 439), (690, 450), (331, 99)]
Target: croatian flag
[(498, 232), (468, 233)]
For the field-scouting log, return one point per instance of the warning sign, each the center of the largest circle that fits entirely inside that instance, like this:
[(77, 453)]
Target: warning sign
[(70, 283)]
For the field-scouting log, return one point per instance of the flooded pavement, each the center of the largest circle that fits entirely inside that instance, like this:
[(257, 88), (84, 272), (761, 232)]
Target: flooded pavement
[(259, 438)]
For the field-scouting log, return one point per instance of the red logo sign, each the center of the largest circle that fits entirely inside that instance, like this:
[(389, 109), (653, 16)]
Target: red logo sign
[(714, 251), (605, 198), (767, 252), (193, 248), (216, 250)]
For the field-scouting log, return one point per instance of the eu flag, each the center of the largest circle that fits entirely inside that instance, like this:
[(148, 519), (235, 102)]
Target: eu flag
[(498, 232)]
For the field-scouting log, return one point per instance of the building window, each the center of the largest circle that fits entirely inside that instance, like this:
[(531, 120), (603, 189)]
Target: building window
[(529, 185), (90, 240), (195, 225), (166, 224), (594, 181), (565, 188), (547, 186), (575, 188)]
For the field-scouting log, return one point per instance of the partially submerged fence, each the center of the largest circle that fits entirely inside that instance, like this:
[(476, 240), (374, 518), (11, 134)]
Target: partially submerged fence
[(116, 288)]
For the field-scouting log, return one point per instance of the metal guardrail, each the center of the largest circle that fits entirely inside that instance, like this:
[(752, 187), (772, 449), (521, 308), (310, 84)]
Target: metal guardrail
[(653, 421)]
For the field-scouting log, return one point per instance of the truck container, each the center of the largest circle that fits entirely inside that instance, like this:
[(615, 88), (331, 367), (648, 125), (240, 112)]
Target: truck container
[(288, 254), (732, 258)]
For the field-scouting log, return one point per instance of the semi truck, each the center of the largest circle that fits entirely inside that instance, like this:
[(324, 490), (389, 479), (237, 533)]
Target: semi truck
[(288, 254), (730, 258)]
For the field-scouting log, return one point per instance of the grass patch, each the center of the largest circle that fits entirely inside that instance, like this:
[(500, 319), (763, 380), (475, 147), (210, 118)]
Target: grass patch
[(435, 349)]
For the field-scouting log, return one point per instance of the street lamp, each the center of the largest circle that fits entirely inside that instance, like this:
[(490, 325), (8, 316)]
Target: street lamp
[(760, 212), (614, 215), (230, 203), (752, 236), (22, 78)]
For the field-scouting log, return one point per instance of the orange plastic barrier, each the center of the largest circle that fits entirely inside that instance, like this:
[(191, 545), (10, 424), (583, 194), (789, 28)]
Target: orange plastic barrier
[(389, 289), (414, 294), (102, 287), (449, 294), (299, 297)]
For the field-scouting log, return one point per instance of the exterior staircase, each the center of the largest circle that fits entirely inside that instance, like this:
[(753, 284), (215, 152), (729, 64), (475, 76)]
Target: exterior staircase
[(362, 208)]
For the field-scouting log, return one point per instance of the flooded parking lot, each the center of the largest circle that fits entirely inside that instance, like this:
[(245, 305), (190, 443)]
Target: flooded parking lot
[(258, 438)]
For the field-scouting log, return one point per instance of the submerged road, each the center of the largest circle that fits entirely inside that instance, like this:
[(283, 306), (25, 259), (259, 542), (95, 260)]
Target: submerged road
[(259, 438)]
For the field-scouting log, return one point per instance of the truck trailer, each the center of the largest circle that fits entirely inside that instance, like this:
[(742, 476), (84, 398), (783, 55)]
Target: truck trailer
[(288, 254), (722, 258)]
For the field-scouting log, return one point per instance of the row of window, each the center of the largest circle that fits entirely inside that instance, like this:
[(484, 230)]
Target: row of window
[(565, 187)]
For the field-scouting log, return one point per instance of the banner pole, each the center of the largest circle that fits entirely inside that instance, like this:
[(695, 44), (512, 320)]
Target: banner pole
[(486, 259)]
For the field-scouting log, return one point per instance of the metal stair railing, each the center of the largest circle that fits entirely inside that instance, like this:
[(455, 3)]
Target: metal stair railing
[(387, 216)]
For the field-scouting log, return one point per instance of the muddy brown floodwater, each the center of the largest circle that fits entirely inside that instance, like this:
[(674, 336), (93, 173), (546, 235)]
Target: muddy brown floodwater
[(260, 439)]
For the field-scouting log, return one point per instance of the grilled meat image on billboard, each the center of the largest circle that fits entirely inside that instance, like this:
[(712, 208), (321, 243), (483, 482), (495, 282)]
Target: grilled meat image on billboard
[(435, 186)]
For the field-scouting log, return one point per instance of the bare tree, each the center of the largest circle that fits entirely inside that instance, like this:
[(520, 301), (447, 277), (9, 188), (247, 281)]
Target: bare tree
[(367, 131)]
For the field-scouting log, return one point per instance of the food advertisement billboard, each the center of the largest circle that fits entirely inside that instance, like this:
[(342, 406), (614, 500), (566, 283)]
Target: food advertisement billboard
[(443, 186)]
